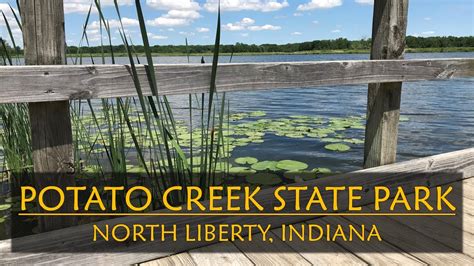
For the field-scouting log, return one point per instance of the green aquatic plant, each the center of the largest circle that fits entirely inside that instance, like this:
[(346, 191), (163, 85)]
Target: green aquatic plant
[(291, 165), (337, 147), (322, 170), (241, 171), (246, 160), (265, 165)]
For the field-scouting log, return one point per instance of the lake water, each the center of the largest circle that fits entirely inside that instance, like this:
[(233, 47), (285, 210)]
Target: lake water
[(440, 113)]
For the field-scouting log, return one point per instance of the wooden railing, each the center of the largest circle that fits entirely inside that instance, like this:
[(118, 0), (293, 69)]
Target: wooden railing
[(61, 83)]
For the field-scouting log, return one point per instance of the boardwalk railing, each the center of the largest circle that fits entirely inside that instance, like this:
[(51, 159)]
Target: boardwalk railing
[(61, 83)]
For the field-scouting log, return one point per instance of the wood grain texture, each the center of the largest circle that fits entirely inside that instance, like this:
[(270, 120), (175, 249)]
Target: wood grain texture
[(381, 253), (181, 259), (324, 253), (224, 253), (383, 99), (56, 83), (73, 245), (276, 253), (51, 131), (416, 247)]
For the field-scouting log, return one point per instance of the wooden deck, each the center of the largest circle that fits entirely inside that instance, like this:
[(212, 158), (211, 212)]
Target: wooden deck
[(341, 252), (74, 245)]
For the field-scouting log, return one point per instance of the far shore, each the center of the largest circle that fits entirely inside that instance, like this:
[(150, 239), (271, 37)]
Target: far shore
[(364, 51)]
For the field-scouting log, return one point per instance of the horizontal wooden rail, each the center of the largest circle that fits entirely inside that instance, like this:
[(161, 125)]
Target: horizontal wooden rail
[(57, 83)]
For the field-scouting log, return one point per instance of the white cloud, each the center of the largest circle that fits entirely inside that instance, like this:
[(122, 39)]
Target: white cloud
[(319, 4), (157, 37), (8, 13), (114, 23), (187, 33), (180, 12), (253, 5), (240, 25), (244, 35), (202, 30), (82, 6), (93, 35), (427, 18), (233, 27), (296, 33), (168, 22), (175, 18), (248, 24), (174, 4), (365, 2), (187, 14), (297, 14), (315, 22), (428, 33), (12, 22), (264, 27), (336, 31)]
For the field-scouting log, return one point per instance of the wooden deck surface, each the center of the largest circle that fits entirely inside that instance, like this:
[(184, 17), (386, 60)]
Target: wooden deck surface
[(73, 245), (341, 252)]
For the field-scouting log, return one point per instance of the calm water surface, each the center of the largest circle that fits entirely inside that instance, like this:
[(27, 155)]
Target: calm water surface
[(441, 113)]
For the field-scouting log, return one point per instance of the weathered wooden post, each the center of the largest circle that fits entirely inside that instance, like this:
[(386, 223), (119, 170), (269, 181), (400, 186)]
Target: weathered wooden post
[(44, 44), (383, 105)]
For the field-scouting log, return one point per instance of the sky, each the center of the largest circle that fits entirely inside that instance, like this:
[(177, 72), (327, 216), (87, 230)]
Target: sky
[(255, 21)]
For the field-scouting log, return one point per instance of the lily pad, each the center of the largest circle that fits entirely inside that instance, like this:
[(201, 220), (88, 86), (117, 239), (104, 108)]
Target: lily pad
[(264, 179), (404, 118), (354, 141), (4, 207), (337, 147), (246, 160), (322, 170), (241, 171), (291, 165), (265, 165), (257, 114)]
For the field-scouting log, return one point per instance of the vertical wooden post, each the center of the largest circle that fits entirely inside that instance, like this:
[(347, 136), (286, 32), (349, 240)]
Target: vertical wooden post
[(383, 105), (44, 44)]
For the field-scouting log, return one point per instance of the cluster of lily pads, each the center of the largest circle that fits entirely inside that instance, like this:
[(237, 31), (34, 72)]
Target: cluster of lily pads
[(251, 128), (267, 172)]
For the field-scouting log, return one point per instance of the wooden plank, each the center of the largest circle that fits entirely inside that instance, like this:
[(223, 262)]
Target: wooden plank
[(76, 242), (383, 99), (411, 240), (56, 83), (51, 131), (468, 189), (451, 236), (224, 253), (324, 253), (181, 259), (381, 253), (275, 253)]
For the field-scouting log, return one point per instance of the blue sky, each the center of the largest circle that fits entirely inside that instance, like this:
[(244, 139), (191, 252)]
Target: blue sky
[(259, 21)]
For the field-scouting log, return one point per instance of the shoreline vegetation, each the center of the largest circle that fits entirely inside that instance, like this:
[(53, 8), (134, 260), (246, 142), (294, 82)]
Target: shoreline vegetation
[(313, 52), (438, 44)]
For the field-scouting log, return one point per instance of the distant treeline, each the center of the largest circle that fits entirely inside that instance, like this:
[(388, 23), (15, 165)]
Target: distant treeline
[(317, 45)]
